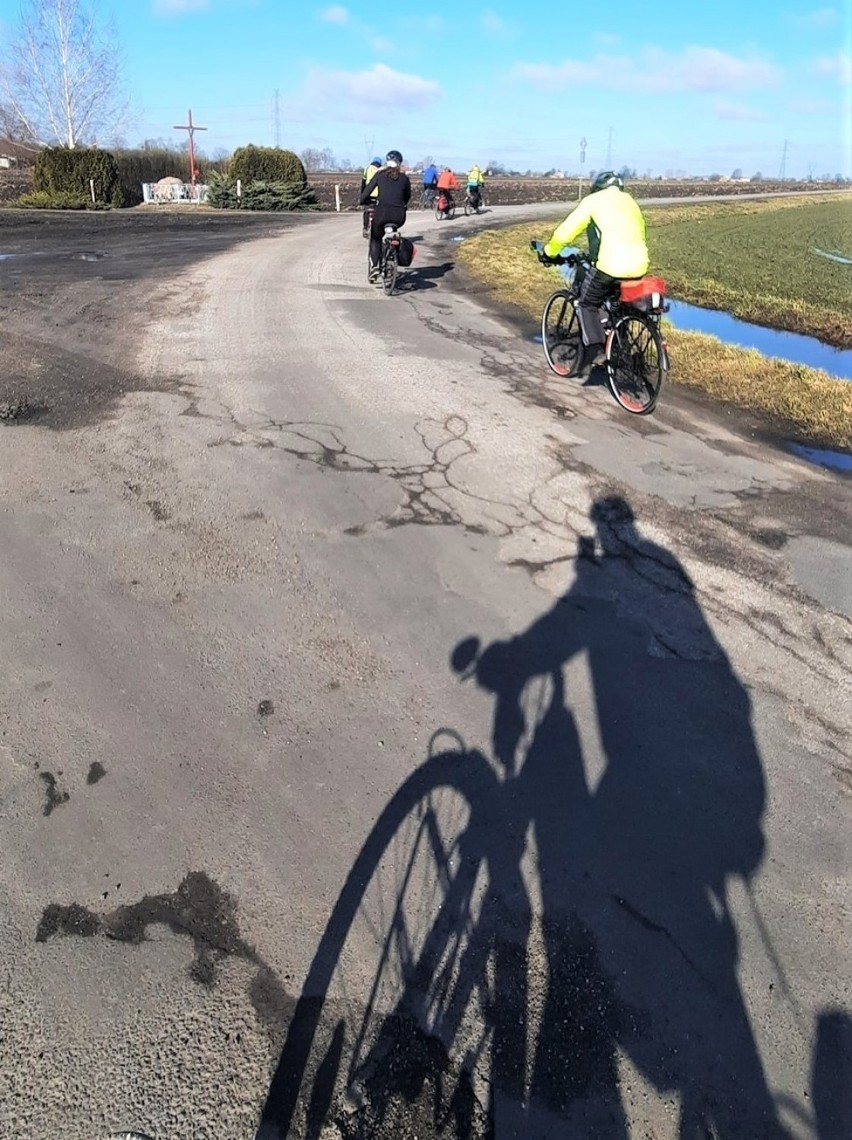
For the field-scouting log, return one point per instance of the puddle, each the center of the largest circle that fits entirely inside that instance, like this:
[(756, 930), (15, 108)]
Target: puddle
[(7, 256), (835, 460), (834, 255), (793, 347), (538, 338)]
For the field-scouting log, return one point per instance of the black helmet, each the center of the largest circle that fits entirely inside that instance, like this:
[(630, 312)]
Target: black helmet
[(607, 178), (394, 158)]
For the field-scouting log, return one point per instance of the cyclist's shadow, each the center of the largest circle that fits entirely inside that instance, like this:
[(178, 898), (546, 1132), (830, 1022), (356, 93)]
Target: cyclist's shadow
[(606, 927)]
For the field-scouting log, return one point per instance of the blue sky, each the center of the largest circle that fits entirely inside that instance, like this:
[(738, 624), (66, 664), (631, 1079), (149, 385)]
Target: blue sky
[(700, 88)]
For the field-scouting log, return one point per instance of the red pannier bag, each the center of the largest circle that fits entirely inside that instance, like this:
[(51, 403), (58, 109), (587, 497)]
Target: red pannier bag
[(647, 293)]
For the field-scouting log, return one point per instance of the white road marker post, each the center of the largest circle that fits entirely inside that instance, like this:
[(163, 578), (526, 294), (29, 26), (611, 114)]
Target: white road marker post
[(92, 190), (337, 196), (239, 187)]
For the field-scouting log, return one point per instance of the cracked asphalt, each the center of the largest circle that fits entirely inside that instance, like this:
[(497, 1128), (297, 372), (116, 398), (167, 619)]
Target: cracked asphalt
[(398, 740)]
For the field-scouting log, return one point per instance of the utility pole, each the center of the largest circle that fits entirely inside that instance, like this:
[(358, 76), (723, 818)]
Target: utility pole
[(608, 163), (368, 148), (583, 145), (277, 113), (782, 173), (191, 128)]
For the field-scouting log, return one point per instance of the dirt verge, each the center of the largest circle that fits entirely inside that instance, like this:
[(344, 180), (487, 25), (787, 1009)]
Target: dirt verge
[(76, 291)]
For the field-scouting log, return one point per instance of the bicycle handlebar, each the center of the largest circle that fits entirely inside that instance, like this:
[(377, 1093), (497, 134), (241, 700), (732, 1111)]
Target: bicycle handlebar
[(538, 249)]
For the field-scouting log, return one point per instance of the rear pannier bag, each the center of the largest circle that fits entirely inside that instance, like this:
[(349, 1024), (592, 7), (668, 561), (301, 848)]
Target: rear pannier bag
[(647, 293), (406, 253)]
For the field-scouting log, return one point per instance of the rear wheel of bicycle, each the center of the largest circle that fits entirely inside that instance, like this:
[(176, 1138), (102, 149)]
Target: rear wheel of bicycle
[(451, 213), (469, 208), (384, 977), (560, 334), (636, 363), (439, 213), (390, 268)]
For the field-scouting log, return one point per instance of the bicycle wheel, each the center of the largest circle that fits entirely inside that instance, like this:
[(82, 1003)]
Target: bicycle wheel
[(560, 334), (451, 212), (390, 268), (636, 363), (469, 208), (370, 1018)]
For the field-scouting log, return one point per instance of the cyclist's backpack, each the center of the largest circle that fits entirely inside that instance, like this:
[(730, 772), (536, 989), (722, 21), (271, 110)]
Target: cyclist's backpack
[(406, 253)]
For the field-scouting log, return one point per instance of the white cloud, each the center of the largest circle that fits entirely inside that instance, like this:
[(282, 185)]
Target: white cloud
[(335, 15), (839, 65), (178, 7), (380, 89), (494, 25), (819, 18), (737, 112), (655, 69), (381, 45)]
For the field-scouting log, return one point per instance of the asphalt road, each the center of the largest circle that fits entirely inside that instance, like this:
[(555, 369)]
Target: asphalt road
[(270, 542)]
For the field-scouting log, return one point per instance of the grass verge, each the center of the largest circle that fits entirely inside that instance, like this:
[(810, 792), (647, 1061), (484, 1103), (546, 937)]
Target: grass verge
[(807, 403), (757, 260)]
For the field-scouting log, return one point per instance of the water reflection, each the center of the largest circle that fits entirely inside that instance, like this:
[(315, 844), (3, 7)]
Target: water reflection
[(835, 460), (788, 346)]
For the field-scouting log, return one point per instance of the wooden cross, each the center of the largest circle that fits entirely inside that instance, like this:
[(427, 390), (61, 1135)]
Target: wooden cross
[(191, 128)]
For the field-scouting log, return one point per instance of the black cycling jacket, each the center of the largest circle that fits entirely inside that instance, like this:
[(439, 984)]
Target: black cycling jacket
[(392, 191)]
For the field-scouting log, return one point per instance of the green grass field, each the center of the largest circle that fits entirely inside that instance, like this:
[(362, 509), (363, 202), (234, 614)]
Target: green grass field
[(756, 260), (804, 402)]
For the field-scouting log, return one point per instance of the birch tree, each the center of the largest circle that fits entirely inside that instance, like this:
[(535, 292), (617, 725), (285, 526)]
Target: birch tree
[(60, 78)]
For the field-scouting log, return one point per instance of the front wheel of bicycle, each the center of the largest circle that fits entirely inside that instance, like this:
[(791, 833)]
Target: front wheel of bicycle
[(390, 268), (385, 980), (560, 334), (636, 363)]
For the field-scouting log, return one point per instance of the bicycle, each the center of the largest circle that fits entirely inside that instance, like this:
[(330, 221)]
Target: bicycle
[(389, 259), (427, 198), (637, 360), (368, 222), (445, 206), (473, 202)]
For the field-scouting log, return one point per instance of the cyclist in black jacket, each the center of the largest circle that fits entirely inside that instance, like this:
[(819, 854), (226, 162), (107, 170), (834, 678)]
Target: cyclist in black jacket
[(394, 195)]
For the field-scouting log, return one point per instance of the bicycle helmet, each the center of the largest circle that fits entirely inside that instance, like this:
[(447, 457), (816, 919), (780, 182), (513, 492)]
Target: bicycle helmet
[(607, 178), (394, 158), (376, 162)]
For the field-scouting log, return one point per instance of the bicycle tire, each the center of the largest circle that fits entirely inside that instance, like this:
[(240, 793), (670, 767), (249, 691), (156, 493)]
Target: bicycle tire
[(469, 208), (312, 1036), (439, 214), (390, 269), (560, 337), (636, 363)]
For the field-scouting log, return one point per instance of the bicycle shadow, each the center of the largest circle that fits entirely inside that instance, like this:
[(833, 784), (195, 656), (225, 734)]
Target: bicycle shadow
[(417, 278), (569, 941)]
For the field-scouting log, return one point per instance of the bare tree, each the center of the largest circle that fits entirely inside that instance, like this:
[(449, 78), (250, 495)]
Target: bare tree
[(60, 77), (311, 159)]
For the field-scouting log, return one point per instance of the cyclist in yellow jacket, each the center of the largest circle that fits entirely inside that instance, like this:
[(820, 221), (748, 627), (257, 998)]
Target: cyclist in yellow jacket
[(475, 185), (370, 170), (615, 229)]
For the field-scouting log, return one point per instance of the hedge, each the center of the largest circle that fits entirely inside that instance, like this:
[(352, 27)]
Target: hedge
[(59, 170), (266, 164), (260, 195), (52, 200)]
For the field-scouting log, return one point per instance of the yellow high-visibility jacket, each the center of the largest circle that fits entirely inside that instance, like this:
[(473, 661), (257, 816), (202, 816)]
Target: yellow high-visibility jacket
[(369, 171), (475, 177), (616, 233)]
